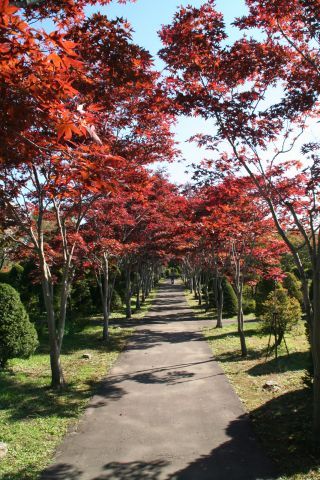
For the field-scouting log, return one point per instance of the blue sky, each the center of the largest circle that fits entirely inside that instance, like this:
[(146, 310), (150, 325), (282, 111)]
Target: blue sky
[(146, 18)]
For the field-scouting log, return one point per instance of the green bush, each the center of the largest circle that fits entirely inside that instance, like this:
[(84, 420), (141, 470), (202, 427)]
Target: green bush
[(80, 298), (287, 310), (230, 303), (249, 306), (21, 277), (116, 301), (248, 302), (293, 285), (18, 337), (263, 289), (15, 276), (4, 277)]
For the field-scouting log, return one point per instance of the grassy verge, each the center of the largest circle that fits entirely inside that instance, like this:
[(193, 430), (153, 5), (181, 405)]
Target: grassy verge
[(281, 418), (33, 418)]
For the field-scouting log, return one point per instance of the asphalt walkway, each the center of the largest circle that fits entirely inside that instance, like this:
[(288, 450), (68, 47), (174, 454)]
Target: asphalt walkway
[(166, 411)]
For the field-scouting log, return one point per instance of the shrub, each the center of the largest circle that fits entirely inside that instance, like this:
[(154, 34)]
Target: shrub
[(248, 302), (249, 306), (4, 277), (18, 337), (81, 300), (293, 285), (167, 272), (230, 303), (116, 301), (287, 309), (263, 289), (15, 276), (24, 278)]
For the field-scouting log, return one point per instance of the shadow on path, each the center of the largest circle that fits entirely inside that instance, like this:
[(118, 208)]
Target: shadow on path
[(191, 430), (170, 375), (148, 338), (236, 459)]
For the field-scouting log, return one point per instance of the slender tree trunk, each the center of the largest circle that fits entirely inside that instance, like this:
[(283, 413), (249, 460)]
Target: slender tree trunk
[(128, 292), (143, 287), (55, 331), (63, 303), (105, 301), (2, 259), (219, 316), (199, 288), (279, 338), (194, 286), (110, 294), (239, 291), (206, 292), (138, 303), (105, 295), (315, 348), (57, 378), (219, 300), (148, 284)]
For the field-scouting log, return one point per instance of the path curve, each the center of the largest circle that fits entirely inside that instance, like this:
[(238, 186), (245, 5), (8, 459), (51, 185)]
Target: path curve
[(166, 411)]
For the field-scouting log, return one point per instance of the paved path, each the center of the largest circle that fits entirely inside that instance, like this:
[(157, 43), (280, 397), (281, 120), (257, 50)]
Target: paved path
[(165, 412)]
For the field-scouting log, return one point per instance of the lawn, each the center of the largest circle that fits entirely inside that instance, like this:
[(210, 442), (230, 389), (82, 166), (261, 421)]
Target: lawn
[(33, 418), (281, 418)]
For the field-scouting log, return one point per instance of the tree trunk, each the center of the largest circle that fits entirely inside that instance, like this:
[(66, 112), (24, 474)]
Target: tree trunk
[(199, 288), (105, 331), (57, 378), (315, 344), (110, 294), (105, 301), (280, 335), (239, 290), (219, 301), (191, 284), (194, 286), (143, 287), (63, 304), (138, 303), (148, 284), (128, 293), (206, 292)]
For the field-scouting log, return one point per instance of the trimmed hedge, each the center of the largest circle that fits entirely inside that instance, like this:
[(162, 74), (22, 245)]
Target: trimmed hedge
[(18, 337), (230, 303)]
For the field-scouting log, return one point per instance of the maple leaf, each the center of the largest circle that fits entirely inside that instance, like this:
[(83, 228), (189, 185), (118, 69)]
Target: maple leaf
[(66, 130), (6, 8)]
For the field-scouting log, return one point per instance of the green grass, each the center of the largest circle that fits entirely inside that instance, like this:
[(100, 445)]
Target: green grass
[(281, 419), (34, 418)]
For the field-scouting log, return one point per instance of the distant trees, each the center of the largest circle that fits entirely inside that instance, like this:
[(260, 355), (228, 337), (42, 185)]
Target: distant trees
[(252, 129), (74, 130), (234, 239)]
